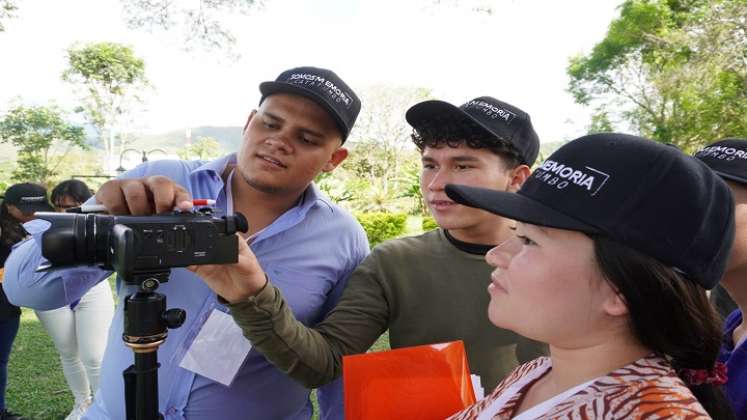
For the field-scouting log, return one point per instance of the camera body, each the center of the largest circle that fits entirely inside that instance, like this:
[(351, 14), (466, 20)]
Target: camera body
[(134, 245)]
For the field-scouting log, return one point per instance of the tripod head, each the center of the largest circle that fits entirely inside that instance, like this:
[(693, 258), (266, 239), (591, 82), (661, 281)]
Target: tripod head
[(146, 318)]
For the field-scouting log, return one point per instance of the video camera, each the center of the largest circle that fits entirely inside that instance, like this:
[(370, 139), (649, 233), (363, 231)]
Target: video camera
[(131, 245), (142, 250)]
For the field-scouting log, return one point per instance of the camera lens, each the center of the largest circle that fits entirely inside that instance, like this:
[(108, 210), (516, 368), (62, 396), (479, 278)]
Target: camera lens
[(60, 244), (75, 238)]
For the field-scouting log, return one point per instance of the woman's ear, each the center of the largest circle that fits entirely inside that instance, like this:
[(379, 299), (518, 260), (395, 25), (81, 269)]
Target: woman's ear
[(614, 304)]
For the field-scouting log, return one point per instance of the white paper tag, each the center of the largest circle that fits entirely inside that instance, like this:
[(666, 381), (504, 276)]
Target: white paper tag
[(219, 349), (477, 387)]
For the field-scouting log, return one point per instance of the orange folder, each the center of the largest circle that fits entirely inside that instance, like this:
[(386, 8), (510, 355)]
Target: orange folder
[(419, 383)]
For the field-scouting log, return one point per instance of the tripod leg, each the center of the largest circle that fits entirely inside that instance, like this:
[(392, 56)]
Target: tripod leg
[(146, 374), (130, 388)]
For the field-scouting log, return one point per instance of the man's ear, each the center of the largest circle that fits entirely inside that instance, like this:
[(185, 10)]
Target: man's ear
[(517, 177), (248, 119), (337, 157)]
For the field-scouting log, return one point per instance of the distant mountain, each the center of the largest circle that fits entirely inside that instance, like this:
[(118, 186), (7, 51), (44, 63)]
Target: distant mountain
[(228, 137)]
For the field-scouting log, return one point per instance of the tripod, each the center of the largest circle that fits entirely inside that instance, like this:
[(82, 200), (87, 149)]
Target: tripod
[(146, 323)]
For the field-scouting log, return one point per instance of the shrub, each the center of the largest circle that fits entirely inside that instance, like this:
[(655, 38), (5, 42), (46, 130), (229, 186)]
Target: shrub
[(382, 226), (429, 223)]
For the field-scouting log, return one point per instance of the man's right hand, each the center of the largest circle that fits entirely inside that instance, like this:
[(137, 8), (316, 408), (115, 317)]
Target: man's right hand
[(143, 196)]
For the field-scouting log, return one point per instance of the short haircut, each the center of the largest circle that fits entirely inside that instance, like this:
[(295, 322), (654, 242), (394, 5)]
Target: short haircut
[(74, 188)]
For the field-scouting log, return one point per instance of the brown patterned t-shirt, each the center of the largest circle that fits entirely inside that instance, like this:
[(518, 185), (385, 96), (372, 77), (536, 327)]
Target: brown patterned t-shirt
[(647, 388)]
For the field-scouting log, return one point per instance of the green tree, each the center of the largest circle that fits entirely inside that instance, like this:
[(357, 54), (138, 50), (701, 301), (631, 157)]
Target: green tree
[(600, 123), (204, 148), (380, 142), (671, 70), (38, 133), (7, 11), (108, 79), (201, 23), (410, 181)]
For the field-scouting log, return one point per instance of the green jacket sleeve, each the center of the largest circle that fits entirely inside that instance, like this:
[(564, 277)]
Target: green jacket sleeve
[(313, 356)]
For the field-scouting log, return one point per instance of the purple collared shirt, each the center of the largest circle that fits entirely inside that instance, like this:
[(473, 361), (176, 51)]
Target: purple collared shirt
[(735, 357)]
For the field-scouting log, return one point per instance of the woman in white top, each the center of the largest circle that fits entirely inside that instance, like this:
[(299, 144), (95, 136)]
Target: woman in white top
[(80, 330), (618, 238)]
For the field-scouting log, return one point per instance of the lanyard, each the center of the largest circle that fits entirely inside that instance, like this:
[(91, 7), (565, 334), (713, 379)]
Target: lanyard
[(230, 207), (229, 193)]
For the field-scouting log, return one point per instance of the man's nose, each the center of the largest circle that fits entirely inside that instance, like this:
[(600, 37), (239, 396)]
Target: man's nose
[(439, 180), (279, 142)]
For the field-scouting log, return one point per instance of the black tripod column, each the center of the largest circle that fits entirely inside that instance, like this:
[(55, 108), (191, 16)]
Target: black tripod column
[(146, 324)]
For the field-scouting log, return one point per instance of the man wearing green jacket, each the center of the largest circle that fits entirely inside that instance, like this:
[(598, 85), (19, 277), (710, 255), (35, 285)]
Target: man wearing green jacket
[(425, 289)]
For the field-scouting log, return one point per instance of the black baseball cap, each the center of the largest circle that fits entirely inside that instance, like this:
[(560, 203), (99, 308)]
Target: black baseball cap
[(728, 158), (321, 86), (648, 196), (501, 120), (28, 197)]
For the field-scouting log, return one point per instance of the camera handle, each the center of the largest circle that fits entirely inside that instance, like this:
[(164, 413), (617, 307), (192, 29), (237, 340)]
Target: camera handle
[(146, 323)]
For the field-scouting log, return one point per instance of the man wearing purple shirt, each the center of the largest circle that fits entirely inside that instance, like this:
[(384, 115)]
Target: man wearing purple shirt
[(728, 158), (306, 243)]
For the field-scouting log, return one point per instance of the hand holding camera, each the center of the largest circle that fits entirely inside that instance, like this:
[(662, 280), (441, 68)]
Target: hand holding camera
[(142, 244), (234, 282), (141, 196), (143, 247)]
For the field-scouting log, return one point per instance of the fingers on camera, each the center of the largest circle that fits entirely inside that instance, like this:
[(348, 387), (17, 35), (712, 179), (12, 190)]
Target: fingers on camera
[(112, 197), (166, 194), (137, 198)]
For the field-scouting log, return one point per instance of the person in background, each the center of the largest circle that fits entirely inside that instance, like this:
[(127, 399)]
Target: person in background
[(618, 239), (79, 330), (728, 158), (19, 205)]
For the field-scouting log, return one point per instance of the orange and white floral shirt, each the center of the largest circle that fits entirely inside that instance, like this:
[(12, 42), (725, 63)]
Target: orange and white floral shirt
[(647, 388)]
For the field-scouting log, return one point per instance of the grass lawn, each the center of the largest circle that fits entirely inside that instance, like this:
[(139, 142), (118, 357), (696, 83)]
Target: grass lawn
[(36, 387)]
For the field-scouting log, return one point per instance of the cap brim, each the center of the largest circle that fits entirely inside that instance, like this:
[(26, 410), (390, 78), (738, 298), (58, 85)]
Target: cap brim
[(425, 111), (515, 206), (271, 88), (33, 208), (731, 177)]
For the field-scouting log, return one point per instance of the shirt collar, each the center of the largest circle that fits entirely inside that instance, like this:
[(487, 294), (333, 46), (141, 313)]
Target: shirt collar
[(309, 198), (216, 166)]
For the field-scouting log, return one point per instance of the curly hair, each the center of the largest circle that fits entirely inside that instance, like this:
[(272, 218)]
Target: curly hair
[(452, 131)]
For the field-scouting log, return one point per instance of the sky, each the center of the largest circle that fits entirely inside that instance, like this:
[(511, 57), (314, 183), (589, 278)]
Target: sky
[(518, 54)]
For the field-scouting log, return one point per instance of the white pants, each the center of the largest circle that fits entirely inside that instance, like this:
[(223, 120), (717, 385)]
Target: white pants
[(80, 335)]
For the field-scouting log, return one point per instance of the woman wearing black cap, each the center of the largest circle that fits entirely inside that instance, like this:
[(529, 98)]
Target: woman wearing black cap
[(11, 232), (618, 239)]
